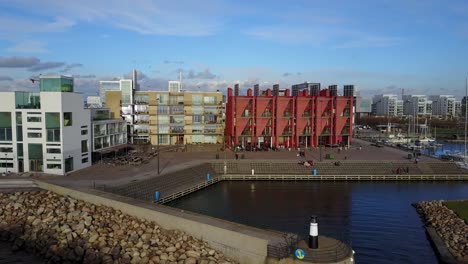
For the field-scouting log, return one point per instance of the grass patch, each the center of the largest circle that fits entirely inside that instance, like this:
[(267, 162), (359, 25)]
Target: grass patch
[(460, 208)]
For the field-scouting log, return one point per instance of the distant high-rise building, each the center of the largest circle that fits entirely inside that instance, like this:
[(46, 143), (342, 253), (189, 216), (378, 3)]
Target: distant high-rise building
[(174, 86), (333, 90), (443, 105), (93, 101), (348, 90), (314, 88), (418, 105), (236, 89), (276, 89), (257, 89), (387, 105), (124, 85)]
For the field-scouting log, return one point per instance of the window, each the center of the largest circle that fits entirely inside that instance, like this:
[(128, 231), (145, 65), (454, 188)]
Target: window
[(196, 119), (53, 135), (19, 118), (67, 119), (5, 134), (54, 151), (209, 99), (34, 135), (19, 133), (84, 132), (54, 166), (84, 146), (34, 119), (197, 99), (6, 149), (84, 160)]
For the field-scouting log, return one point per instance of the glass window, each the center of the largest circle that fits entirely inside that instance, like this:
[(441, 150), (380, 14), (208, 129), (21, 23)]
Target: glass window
[(54, 166), (19, 133), (34, 135), (54, 151), (197, 99), (197, 129), (27, 100), (34, 119), (5, 134), (35, 151), (197, 110), (84, 160), (84, 132), (163, 99), (197, 119), (84, 146), (53, 135), (67, 119), (209, 99), (19, 118), (19, 150), (162, 110)]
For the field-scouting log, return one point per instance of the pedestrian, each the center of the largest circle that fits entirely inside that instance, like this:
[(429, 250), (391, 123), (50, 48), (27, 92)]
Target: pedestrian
[(345, 157), (237, 156)]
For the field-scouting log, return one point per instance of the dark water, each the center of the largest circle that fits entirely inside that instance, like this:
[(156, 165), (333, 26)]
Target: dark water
[(446, 148), (377, 218)]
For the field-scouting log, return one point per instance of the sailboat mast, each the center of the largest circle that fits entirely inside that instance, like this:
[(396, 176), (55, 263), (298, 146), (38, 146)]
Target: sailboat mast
[(466, 112)]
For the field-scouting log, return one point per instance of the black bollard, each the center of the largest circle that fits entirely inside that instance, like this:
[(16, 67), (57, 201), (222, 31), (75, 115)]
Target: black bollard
[(313, 233)]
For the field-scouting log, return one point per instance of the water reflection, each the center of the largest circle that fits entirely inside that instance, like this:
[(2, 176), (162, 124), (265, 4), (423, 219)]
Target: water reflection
[(376, 217)]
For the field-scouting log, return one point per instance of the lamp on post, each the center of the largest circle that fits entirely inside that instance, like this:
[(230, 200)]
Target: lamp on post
[(157, 135), (6, 163)]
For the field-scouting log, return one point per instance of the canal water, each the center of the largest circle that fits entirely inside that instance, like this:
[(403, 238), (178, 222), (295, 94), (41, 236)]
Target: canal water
[(375, 217), (445, 148)]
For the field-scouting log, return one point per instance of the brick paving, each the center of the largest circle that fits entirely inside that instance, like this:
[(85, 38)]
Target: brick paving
[(196, 154)]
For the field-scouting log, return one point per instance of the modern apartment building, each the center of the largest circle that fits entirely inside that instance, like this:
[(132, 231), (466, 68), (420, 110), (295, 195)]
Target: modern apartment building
[(45, 131), (169, 117), (443, 105), (387, 105), (418, 105), (300, 120), (108, 134)]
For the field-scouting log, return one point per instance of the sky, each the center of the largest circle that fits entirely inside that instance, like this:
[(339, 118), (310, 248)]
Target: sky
[(380, 46)]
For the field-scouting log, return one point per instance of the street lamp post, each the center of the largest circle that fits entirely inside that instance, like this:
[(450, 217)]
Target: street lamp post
[(5, 163), (157, 135)]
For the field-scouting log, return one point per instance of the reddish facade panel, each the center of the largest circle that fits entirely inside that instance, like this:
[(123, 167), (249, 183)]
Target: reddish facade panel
[(288, 121)]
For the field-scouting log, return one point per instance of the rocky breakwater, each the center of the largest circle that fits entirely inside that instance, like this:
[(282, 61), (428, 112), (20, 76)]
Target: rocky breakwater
[(64, 230), (451, 229)]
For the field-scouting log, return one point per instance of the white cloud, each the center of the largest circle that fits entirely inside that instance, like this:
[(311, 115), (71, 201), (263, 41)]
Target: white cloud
[(184, 18), (32, 46)]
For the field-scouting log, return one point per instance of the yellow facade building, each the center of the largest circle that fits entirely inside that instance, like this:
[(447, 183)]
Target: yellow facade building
[(170, 118)]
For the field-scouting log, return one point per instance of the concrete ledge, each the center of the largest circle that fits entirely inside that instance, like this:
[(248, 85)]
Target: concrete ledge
[(241, 243), (390, 177), (441, 249)]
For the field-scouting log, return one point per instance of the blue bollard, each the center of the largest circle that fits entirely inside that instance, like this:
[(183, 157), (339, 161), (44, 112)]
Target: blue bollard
[(208, 176), (315, 172), (156, 196)]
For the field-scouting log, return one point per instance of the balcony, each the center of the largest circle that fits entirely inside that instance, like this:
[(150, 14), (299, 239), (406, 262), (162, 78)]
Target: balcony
[(141, 102)]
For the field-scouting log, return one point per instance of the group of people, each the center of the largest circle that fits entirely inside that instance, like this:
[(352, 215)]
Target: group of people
[(400, 170)]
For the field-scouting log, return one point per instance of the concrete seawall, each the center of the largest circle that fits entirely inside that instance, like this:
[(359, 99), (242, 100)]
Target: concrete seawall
[(241, 243)]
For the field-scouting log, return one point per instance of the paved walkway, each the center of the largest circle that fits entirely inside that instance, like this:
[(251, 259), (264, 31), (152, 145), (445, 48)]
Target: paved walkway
[(197, 154)]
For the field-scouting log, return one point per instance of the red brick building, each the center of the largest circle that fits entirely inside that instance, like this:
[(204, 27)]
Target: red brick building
[(288, 121)]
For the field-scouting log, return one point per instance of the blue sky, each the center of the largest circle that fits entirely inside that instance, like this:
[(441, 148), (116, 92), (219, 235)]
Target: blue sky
[(380, 45)]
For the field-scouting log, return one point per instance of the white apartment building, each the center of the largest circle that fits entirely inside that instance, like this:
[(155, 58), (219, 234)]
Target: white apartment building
[(387, 105), (418, 105), (443, 105), (46, 131)]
